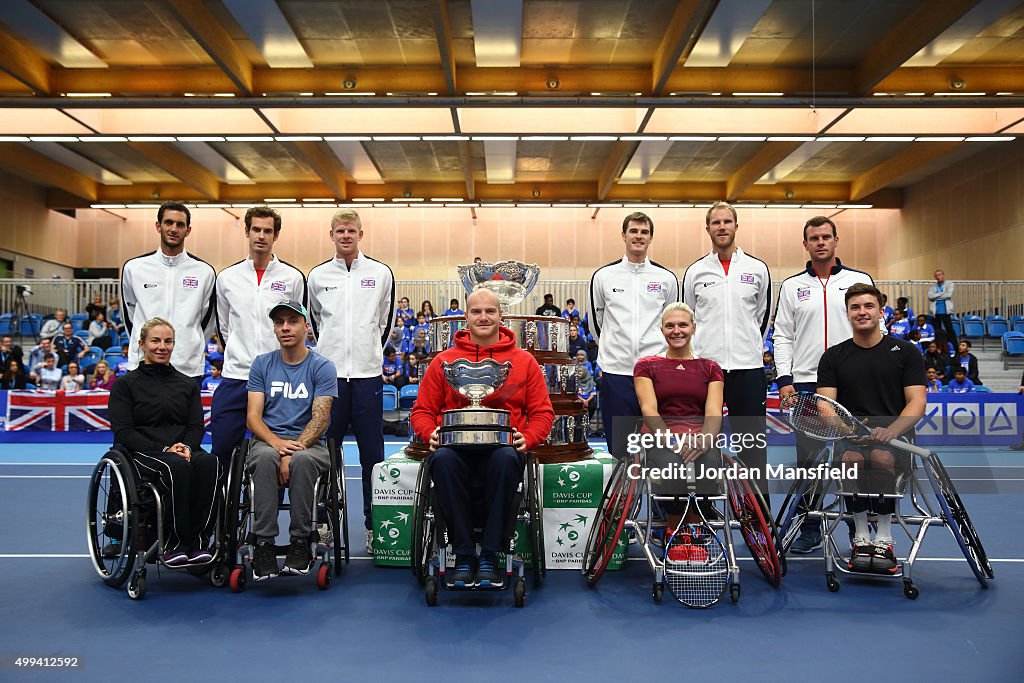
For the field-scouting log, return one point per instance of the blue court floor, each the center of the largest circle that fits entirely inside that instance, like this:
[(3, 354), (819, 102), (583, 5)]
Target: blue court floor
[(372, 625)]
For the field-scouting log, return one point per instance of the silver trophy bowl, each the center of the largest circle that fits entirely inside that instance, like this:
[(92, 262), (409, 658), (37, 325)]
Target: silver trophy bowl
[(476, 425), (511, 281)]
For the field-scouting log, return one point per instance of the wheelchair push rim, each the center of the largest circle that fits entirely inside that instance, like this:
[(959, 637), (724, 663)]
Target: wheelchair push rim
[(759, 534), (112, 477), (958, 521), (616, 503)]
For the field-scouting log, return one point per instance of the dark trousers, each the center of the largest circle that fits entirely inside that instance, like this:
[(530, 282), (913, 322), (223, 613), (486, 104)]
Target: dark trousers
[(190, 491), (227, 419), (500, 471), (945, 322), (746, 394), (618, 401), (806, 449), (359, 406)]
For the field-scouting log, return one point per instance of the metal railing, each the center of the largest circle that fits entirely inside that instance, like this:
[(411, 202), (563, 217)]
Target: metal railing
[(978, 297)]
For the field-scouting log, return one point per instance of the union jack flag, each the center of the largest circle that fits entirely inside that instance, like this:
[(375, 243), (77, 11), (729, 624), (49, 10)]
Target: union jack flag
[(59, 411), (190, 282), (277, 286), (653, 286), (747, 278), (368, 283)]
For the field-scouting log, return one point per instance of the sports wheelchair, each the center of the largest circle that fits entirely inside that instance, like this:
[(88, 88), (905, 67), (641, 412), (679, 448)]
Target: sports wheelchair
[(329, 535), (125, 526), (431, 559), (629, 504), (942, 508)]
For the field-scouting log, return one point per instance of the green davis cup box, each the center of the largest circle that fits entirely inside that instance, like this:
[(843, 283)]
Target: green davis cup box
[(394, 487), (571, 494)]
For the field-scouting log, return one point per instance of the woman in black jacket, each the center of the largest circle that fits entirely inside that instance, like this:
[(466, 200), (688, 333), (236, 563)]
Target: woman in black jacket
[(13, 377), (156, 413)]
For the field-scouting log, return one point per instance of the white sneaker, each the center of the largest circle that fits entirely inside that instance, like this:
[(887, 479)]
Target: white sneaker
[(369, 542)]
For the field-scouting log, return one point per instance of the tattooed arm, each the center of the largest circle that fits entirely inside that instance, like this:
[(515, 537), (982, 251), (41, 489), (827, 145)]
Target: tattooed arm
[(319, 422)]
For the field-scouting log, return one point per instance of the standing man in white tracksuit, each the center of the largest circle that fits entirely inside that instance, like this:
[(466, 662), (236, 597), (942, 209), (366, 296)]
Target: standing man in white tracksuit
[(246, 293), (627, 298), (730, 293), (811, 317), (352, 304), (172, 284)]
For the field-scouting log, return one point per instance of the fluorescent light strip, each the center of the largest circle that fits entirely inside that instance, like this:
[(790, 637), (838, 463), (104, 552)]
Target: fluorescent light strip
[(855, 206), (603, 205), (369, 199), (991, 138), (279, 200), (840, 138), (152, 138), (741, 138), (244, 205), (498, 206), (298, 138), (485, 138), (820, 206), (959, 94), (201, 138), (890, 138), (692, 138), (350, 94), (948, 138), (347, 138), (53, 138), (391, 206), (794, 138), (317, 199), (249, 138), (102, 138), (785, 206), (757, 94), (544, 138), (497, 93), (751, 206), (213, 206), (675, 206), (444, 138), (568, 206), (317, 206), (643, 138), (106, 206), (413, 199), (14, 138), (396, 138), (594, 138), (447, 199), (87, 94)]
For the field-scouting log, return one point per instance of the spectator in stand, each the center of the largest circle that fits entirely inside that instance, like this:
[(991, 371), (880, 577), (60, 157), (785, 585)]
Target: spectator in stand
[(586, 389), (38, 355), (214, 349), (213, 381), (899, 327), (966, 360), (933, 360), (549, 308), (427, 309), (100, 331), (74, 380), (570, 307), (770, 371), (102, 377), (421, 324), (420, 343), (400, 326), (576, 341), (8, 352), (397, 339), (412, 368), (391, 369), (453, 308), (574, 319), (69, 346), (50, 375), (96, 307), (887, 311), (52, 327), (581, 359), (13, 376), (902, 304), (940, 297), (926, 329), (405, 312), (915, 338), (934, 385), (960, 383), (122, 364), (114, 314)]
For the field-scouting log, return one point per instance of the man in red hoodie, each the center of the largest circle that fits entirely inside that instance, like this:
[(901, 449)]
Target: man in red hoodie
[(524, 394)]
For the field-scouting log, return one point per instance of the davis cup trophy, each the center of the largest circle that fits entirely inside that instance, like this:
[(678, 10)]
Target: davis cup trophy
[(545, 338), (476, 425)]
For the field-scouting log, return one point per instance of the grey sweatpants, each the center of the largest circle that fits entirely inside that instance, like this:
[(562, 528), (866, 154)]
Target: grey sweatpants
[(263, 464)]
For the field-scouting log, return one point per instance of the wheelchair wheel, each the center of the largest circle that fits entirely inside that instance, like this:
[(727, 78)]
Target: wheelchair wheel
[(343, 502), (791, 516), (616, 503), (235, 508), (748, 508), (337, 511), (536, 523), (112, 518), (958, 521), (422, 527)]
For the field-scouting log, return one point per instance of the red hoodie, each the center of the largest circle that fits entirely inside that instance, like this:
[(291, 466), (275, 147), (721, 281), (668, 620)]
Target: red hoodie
[(524, 394)]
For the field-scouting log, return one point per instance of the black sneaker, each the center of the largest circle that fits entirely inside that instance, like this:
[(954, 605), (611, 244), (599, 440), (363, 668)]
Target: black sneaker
[(299, 558), (883, 559), (860, 555), (488, 574), (264, 561), (462, 575)]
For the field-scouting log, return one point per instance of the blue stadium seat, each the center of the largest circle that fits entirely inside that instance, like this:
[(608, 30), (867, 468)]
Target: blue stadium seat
[(30, 325), (112, 357), (958, 326), (981, 389), (29, 386), (407, 396), (1017, 323), (90, 359), (973, 327), (98, 350), (1013, 343), (389, 396), (6, 323), (84, 334), (79, 320), (996, 326)]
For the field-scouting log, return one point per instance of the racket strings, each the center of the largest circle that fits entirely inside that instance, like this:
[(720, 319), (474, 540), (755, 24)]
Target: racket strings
[(817, 417), (696, 566)]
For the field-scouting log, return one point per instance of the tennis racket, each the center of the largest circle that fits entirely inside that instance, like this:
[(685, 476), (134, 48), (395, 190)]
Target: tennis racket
[(819, 417), (696, 564)]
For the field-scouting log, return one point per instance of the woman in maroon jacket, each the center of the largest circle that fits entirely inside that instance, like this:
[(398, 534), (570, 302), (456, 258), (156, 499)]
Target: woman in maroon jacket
[(156, 413), (524, 394)]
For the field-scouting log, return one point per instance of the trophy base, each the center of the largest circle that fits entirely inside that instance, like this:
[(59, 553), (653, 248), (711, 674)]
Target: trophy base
[(458, 437)]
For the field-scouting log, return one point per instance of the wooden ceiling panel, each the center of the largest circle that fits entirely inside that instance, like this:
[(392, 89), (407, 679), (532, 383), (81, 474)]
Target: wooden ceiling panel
[(124, 161), (265, 162)]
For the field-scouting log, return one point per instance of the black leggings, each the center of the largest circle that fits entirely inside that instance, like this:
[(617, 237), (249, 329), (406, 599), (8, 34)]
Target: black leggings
[(189, 489)]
